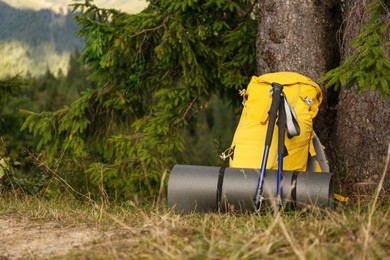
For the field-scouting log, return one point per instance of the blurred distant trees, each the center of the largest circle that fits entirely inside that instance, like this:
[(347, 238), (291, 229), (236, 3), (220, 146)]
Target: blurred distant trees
[(23, 95)]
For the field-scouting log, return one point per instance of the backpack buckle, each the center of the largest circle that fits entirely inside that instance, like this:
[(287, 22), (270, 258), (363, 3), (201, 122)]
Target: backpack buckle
[(308, 101)]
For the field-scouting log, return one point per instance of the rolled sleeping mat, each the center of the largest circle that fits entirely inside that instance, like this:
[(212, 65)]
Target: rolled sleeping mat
[(208, 188), (299, 189), (193, 188)]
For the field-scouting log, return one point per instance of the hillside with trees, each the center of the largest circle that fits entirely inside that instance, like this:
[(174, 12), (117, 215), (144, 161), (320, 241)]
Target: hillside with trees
[(38, 27), (62, 6), (37, 35), (33, 41)]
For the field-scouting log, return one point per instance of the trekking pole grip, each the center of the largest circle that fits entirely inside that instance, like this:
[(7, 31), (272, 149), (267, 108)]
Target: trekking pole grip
[(273, 111), (276, 86)]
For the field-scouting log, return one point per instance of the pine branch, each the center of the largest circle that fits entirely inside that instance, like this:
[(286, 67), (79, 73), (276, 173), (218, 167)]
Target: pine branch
[(369, 67), (163, 25)]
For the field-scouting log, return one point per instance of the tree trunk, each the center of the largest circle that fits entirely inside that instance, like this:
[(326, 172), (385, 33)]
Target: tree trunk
[(362, 129), (300, 36)]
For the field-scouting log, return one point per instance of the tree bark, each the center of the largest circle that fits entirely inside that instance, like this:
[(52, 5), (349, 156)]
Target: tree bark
[(298, 36), (362, 129), (301, 36)]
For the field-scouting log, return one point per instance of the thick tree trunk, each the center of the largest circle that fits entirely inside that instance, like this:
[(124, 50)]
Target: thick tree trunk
[(300, 36), (362, 129)]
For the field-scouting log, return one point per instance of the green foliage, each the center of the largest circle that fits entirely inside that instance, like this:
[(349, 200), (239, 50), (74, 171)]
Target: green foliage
[(5, 162), (155, 71), (46, 93), (9, 87), (369, 66), (210, 133), (12, 142), (11, 91)]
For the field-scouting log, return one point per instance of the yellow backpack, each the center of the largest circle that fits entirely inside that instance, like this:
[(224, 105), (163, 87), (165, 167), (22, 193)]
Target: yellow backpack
[(304, 96)]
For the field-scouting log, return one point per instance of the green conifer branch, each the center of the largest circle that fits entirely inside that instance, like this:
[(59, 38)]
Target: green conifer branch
[(154, 71), (369, 67)]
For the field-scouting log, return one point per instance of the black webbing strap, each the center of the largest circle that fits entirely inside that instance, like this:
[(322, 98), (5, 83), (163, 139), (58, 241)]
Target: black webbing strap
[(219, 184), (294, 178)]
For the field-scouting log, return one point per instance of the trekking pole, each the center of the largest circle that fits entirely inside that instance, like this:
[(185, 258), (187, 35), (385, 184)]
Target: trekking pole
[(282, 123), (276, 92)]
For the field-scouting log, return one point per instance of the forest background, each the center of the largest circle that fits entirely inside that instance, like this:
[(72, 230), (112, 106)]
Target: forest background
[(41, 72)]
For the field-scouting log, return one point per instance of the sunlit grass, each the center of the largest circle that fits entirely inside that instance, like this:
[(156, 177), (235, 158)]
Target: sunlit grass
[(154, 231), (150, 230)]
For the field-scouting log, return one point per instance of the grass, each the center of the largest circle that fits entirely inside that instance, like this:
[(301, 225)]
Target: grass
[(155, 232), (358, 230)]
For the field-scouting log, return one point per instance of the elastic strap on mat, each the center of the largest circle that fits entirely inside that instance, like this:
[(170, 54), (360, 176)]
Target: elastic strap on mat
[(219, 184)]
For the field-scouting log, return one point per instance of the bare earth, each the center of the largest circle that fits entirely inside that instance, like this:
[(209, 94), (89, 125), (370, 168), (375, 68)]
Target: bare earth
[(21, 239)]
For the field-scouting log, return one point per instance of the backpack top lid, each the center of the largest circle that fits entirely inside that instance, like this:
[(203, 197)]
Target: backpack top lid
[(288, 78)]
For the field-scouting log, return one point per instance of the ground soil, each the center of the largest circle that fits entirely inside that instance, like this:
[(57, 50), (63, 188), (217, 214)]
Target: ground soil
[(29, 239)]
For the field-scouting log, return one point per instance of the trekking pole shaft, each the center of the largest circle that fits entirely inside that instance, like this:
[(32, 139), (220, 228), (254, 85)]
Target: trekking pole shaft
[(282, 123), (259, 189), (276, 92)]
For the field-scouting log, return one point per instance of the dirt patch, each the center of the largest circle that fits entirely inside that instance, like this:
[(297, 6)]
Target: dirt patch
[(21, 239)]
